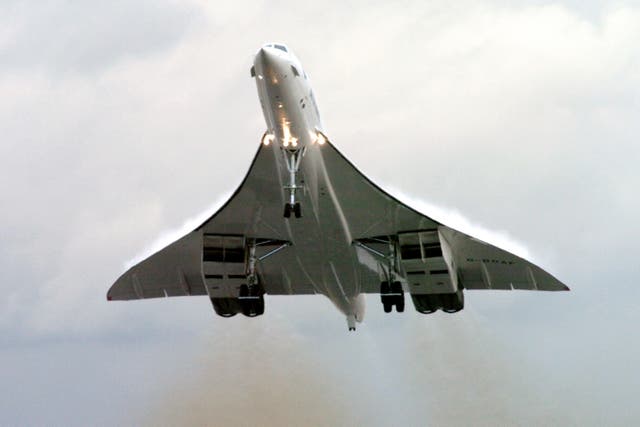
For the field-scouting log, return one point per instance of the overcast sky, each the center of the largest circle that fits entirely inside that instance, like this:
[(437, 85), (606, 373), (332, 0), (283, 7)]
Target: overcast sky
[(122, 121)]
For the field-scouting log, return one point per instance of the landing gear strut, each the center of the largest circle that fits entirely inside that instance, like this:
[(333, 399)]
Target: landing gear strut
[(251, 297), (391, 292), (293, 159)]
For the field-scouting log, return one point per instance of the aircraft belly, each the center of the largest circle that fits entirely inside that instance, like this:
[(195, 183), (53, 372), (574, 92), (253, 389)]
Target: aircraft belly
[(322, 252), (338, 206)]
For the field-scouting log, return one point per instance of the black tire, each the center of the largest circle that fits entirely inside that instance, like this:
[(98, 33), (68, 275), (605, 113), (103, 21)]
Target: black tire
[(244, 290), (287, 210), (384, 290), (387, 305), (396, 288), (255, 306), (297, 210)]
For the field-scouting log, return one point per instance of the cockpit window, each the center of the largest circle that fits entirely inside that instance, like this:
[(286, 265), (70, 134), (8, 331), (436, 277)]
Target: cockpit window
[(279, 46)]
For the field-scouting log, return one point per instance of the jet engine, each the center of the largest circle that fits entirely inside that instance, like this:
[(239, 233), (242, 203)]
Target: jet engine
[(430, 303)]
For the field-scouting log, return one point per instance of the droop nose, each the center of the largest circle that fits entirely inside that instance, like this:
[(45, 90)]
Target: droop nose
[(269, 65), (266, 58)]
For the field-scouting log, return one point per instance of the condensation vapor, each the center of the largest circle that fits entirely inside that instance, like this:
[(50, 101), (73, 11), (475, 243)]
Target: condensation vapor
[(170, 236)]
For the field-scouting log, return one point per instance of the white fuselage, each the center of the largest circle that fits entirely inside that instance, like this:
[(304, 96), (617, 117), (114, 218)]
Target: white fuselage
[(294, 126), (286, 97)]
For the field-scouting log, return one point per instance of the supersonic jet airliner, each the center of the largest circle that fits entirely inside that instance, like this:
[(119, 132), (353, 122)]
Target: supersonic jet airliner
[(305, 221)]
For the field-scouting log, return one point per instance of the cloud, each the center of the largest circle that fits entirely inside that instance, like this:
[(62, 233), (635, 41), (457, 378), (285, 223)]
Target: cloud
[(60, 36)]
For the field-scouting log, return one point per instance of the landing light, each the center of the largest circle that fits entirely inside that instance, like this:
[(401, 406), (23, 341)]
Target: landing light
[(268, 139), (321, 139), (260, 76)]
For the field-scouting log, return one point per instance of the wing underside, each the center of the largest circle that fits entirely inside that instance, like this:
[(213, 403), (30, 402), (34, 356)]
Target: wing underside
[(431, 257)]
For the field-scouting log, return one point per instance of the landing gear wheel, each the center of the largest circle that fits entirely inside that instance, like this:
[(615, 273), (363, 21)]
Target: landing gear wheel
[(297, 210), (387, 305), (253, 304), (287, 210), (396, 288), (257, 303), (385, 299)]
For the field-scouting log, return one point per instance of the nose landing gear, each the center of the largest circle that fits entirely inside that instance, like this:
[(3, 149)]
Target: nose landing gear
[(295, 208), (293, 159)]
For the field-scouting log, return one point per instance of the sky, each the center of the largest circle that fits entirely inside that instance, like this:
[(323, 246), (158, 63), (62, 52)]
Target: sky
[(124, 122)]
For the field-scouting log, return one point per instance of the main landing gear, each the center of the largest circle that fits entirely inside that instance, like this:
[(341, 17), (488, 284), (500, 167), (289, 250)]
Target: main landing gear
[(250, 299), (251, 296), (392, 294), (293, 157)]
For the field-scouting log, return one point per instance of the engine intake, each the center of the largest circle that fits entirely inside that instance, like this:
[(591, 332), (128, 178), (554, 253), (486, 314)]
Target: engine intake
[(430, 303)]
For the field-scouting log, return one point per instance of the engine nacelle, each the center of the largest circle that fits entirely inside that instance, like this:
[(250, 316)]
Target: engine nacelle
[(430, 303), (226, 307), (250, 303)]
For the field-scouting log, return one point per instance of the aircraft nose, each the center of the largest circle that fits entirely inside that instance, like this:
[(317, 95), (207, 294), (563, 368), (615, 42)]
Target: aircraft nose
[(268, 64), (266, 57)]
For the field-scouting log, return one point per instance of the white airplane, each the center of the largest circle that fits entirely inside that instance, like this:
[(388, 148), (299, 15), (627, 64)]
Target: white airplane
[(340, 235)]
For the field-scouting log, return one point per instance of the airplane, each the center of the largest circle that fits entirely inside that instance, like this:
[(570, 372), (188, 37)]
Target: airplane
[(305, 221)]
